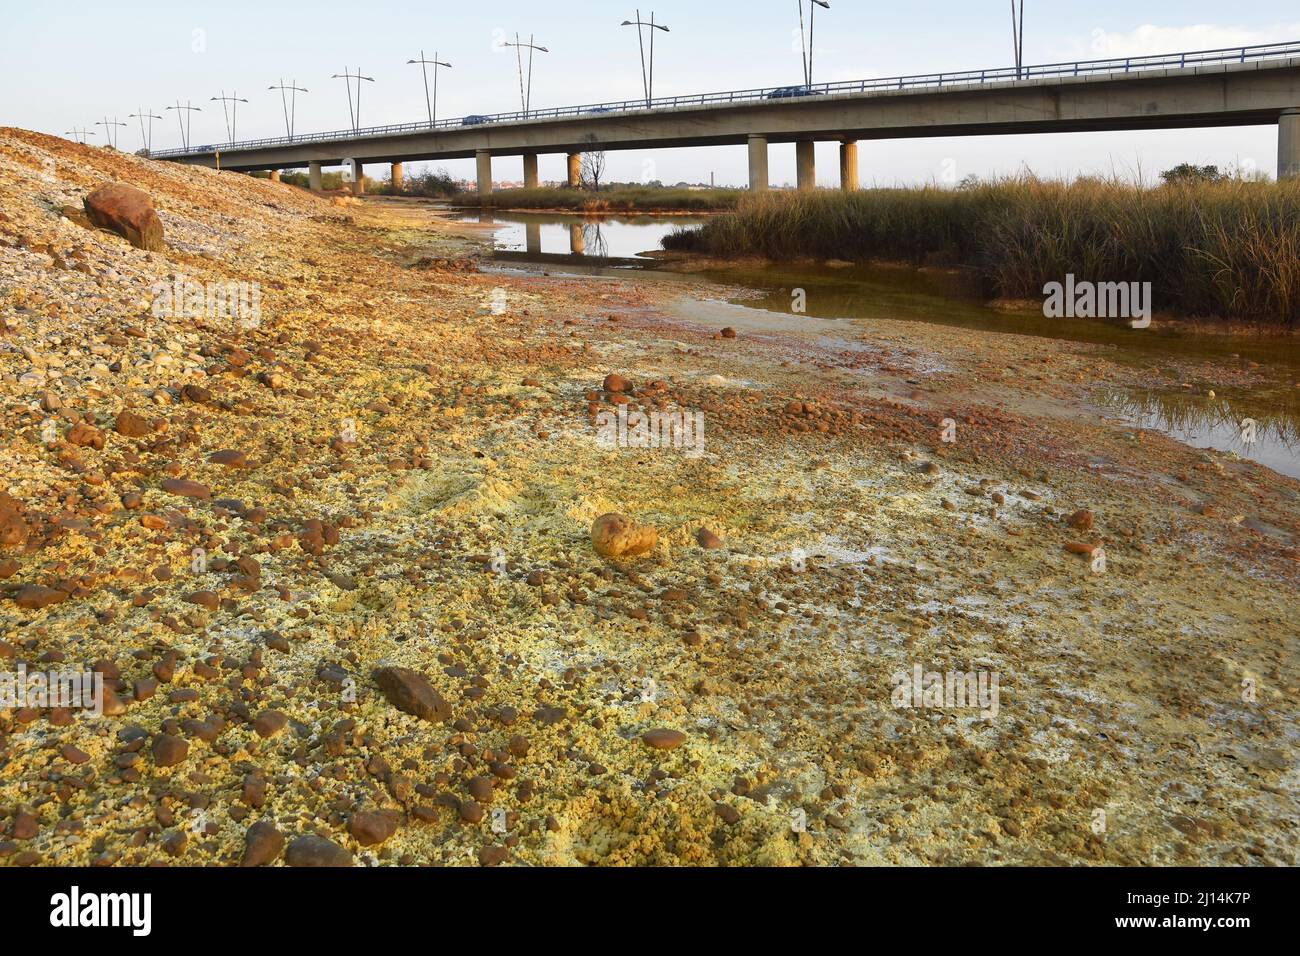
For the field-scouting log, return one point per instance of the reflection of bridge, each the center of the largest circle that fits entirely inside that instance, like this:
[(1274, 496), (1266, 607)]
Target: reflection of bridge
[(1246, 86)]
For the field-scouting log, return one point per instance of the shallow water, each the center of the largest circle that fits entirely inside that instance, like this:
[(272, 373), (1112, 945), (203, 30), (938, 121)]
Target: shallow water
[(1223, 422), (1184, 410), (602, 237)]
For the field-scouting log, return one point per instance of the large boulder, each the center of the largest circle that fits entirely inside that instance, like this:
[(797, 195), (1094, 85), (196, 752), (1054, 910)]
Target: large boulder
[(128, 212)]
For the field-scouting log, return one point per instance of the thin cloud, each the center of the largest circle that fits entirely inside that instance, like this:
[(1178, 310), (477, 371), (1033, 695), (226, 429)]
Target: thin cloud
[(1150, 39)]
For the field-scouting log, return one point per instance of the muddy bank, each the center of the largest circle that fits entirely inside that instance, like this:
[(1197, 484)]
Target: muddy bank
[(419, 455)]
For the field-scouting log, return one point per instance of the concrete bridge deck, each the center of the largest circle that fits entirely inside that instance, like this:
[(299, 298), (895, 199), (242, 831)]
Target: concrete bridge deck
[(1226, 92)]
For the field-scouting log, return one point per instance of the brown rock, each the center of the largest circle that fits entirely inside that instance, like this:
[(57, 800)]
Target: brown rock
[(186, 488), (480, 788), (85, 436), (616, 536), (707, 539), (169, 750), (269, 723), (410, 691), (25, 826), (263, 843), (73, 754), (728, 333), (253, 790), (114, 706), (132, 425), (229, 457), (616, 383), (128, 212), (316, 851), (1081, 520), (493, 855), (662, 738), (14, 530), (369, 827), (204, 599), (33, 597), (173, 842)]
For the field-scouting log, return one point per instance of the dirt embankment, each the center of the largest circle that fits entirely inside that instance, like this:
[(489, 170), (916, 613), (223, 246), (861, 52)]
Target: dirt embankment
[(396, 466)]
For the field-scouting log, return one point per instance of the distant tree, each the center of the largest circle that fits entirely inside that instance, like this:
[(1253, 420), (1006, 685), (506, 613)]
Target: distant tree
[(593, 166), (1191, 173), (433, 184)]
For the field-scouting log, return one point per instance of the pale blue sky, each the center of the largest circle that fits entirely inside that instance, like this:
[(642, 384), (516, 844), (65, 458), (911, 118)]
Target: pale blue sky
[(71, 64)]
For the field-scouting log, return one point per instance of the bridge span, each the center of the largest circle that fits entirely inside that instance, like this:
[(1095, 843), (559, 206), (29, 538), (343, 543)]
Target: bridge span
[(1243, 86)]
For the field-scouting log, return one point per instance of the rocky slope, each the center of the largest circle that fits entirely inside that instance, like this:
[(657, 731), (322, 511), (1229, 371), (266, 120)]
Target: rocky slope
[(333, 562)]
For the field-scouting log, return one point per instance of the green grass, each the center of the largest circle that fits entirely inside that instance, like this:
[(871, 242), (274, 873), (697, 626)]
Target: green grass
[(1213, 249), (613, 199)]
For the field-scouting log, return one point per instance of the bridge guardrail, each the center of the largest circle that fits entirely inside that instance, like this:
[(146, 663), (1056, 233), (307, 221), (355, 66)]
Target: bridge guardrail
[(1112, 65)]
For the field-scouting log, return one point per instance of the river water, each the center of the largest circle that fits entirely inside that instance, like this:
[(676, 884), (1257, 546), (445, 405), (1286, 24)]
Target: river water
[(1203, 414)]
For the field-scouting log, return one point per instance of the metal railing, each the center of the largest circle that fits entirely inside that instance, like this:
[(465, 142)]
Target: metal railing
[(1116, 65)]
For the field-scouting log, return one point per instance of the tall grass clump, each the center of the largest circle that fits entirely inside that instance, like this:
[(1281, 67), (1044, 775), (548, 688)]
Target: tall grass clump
[(1220, 249)]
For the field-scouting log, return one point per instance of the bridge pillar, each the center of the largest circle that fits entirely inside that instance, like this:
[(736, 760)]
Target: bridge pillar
[(313, 177), (1288, 145), (805, 161), (849, 166), (483, 161), (275, 175), (530, 171), (533, 238), (398, 176), (577, 239), (757, 163), (575, 170), (358, 179)]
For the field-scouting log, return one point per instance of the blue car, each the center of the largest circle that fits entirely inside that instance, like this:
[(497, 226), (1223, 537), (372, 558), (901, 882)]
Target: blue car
[(475, 120), (785, 92)]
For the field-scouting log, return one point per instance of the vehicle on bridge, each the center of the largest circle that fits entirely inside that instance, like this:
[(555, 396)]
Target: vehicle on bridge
[(475, 119), (785, 92)]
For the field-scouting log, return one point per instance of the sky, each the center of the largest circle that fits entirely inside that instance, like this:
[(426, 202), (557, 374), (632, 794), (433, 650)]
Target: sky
[(71, 65)]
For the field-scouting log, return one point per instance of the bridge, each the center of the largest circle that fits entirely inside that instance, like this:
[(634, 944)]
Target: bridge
[(1242, 86)]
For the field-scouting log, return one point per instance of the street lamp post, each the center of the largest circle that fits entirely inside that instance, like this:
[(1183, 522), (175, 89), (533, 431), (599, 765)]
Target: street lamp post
[(290, 103), (349, 77), (424, 68), (146, 138), (812, 26), (229, 113), (1018, 35), (647, 85), (79, 135), (526, 99), (110, 130), (188, 112)]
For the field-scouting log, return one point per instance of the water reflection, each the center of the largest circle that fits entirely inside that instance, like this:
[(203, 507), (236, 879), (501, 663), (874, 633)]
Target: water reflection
[(542, 236), (1264, 428)]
